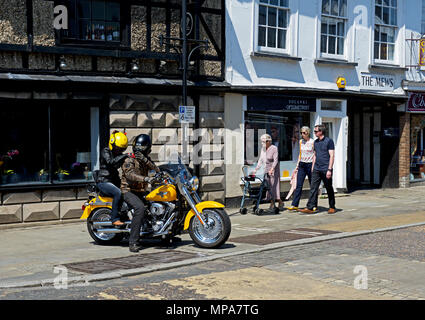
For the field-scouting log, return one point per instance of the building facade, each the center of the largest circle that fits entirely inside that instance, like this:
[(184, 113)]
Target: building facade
[(72, 71), (284, 59)]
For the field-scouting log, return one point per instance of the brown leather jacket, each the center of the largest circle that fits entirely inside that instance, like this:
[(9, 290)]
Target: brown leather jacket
[(134, 174)]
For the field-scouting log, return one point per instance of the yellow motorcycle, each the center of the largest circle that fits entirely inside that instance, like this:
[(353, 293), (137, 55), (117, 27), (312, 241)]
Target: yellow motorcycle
[(172, 208)]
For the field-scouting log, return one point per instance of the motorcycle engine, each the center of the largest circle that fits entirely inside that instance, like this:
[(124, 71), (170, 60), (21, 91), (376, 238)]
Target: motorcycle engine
[(157, 209)]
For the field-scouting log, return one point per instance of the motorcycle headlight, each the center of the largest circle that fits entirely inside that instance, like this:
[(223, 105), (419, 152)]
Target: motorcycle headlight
[(193, 183)]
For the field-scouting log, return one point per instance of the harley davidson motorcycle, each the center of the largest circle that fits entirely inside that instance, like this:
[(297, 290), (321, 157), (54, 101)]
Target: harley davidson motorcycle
[(172, 208)]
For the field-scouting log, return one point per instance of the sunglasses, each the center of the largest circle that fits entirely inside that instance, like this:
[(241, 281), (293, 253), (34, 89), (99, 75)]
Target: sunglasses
[(304, 133), (315, 131)]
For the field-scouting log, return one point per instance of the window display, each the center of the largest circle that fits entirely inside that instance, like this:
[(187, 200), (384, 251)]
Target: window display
[(283, 127), (417, 144), (45, 144)]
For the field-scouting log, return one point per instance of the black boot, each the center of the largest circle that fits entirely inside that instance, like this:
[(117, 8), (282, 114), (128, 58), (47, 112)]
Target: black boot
[(135, 247)]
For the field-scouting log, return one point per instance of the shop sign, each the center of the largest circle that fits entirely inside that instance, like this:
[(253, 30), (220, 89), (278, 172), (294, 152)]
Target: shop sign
[(276, 103), (377, 82), (422, 52), (416, 102)]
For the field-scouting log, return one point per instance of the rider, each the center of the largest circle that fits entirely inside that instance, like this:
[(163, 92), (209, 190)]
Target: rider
[(108, 182), (134, 183)]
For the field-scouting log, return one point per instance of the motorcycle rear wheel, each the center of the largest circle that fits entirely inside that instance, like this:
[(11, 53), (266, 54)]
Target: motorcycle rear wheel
[(214, 236), (102, 215)]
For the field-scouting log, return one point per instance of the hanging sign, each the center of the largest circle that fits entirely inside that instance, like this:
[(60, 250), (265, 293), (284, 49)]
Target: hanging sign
[(422, 52), (416, 102)]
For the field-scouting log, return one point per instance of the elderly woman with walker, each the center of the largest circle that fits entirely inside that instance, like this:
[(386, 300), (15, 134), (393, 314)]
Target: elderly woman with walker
[(269, 158)]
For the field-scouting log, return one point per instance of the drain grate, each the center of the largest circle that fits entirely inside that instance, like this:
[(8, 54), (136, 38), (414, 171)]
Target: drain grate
[(130, 262), (282, 236)]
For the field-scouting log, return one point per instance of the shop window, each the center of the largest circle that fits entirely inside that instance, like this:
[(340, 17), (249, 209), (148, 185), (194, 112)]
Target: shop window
[(333, 27), (417, 158), (47, 144), (283, 127), (273, 25)]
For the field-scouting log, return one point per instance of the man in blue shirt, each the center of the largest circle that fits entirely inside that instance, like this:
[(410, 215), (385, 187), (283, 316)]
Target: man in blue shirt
[(323, 161)]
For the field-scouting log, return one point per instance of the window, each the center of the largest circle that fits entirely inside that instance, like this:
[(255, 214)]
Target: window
[(385, 29), (96, 22), (47, 144), (283, 127), (334, 17), (331, 105), (273, 22)]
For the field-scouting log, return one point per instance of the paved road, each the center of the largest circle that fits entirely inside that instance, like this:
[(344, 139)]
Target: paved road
[(385, 265), (30, 255)]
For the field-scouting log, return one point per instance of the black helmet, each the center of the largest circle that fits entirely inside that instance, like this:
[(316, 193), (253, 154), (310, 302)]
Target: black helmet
[(142, 143)]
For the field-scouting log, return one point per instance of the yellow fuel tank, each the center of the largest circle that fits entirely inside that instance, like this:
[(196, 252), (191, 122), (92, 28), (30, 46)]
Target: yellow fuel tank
[(163, 193)]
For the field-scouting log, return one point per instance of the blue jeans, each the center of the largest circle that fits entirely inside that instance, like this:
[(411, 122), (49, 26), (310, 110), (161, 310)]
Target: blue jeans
[(304, 169), (109, 189)]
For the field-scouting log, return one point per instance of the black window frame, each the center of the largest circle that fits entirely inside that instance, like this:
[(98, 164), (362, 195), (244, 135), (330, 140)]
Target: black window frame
[(71, 37), (53, 107)]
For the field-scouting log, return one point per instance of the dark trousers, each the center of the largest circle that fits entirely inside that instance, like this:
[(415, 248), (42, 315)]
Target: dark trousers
[(316, 178), (111, 190), (134, 201), (304, 169)]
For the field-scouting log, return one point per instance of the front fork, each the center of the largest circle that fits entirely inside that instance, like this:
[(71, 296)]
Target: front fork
[(193, 204)]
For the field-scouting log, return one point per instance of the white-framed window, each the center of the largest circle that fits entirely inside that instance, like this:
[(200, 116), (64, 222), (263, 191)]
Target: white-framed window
[(385, 30), (272, 26), (333, 28)]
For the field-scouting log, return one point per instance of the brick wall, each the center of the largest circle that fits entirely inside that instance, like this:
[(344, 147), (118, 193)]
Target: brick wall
[(404, 153)]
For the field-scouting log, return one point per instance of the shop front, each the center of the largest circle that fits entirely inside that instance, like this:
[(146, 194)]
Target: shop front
[(416, 108), (282, 117)]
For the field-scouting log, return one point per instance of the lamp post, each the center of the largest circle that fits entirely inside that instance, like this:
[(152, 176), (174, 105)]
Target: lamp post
[(184, 61)]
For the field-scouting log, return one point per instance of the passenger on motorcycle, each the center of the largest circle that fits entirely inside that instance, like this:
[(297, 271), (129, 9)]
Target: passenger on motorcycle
[(134, 182), (108, 182)]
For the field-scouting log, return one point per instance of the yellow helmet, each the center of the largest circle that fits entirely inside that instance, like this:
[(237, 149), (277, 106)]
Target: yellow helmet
[(118, 139)]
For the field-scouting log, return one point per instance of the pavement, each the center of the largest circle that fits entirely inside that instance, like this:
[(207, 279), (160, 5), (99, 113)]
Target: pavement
[(34, 255)]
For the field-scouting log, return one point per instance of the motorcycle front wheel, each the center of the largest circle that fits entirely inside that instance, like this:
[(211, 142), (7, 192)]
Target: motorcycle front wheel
[(218, 230), (102, 215)]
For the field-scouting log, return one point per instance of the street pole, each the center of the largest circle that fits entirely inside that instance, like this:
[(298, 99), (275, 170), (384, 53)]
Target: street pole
[(184, 82)]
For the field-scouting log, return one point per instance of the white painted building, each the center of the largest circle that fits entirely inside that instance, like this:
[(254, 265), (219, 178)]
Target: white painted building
[(283, 59)]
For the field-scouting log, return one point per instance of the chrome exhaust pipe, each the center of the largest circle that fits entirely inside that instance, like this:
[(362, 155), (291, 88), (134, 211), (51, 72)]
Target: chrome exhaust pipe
[(106, 223), (112, 230)]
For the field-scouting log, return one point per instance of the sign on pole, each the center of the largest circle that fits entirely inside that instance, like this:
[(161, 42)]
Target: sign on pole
[(187, 114)]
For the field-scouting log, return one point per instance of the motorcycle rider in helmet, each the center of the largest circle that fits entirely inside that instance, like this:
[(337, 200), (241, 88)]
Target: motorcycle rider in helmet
[(108, 182), (134, 182)]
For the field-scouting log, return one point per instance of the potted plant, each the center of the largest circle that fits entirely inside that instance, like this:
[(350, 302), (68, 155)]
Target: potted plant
[(61, 174), (8, 175), (43, 175)]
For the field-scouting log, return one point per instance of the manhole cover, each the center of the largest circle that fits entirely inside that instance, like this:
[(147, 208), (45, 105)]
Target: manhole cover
[(130, 262), (282, 236)]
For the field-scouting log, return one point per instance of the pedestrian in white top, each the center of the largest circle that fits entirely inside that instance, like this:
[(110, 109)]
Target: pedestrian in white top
[(303, 169)]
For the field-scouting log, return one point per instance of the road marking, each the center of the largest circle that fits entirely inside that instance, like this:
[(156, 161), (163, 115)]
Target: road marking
[(284, 218), (307, 233), (381, 206), (253, 229)]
